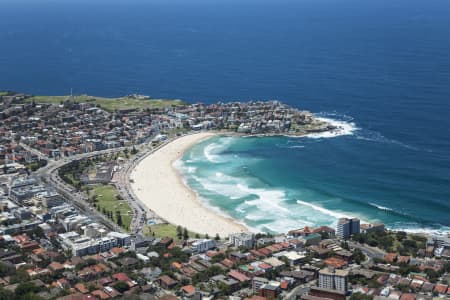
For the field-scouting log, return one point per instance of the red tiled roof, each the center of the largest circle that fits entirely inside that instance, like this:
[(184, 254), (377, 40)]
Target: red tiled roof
[(335, 262), (264, 266), (121, 277), (117, 250), (100, 294), (105, 280), (390, 257), (56, 266), (188, 289), (441, 288), (238, 276), (81, 288), (176, 265), (285, 244), (256, 253), (227, 263), (265, 251), (167, 280), (408, 296)]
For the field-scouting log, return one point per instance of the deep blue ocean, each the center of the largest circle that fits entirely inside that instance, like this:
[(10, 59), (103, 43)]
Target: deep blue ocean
[(383, 67)]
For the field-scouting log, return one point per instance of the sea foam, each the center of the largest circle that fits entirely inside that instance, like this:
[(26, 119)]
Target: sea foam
[(342, 128)]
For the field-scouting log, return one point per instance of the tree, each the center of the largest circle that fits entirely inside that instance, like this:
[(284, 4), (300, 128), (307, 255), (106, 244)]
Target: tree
[(358, 256), (134, 150), (217, 238), (119, 218), (206, 236), (185, 234), (20, 276), (6, 269), (121, 286), (360, 296), (179, 232), (5, 294), (25, 288)]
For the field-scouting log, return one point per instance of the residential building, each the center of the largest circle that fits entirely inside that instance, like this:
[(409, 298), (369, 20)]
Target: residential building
[(242, 239), (346, 227), (333, 279), (203, 245)]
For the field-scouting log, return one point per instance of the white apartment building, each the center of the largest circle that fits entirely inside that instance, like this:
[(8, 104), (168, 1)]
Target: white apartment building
[(203, 245), (242, 239), (333, 279)]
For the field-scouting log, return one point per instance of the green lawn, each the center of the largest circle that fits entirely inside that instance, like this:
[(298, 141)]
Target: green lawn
[(107, 200), (2, 93), (165, 230), (110, 104)]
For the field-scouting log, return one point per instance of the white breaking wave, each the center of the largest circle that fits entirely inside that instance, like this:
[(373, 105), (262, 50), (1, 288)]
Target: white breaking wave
[(334, 214), (342, 128), (181, 167), (209, 153), (296, 147), (325, 211), (418, 228), (268, 200), (229, 189), (212, 152), (380, 207)]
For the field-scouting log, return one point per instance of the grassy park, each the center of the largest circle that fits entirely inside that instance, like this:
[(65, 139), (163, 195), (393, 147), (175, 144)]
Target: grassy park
[(167, 230), (110, 104), (108, 202)]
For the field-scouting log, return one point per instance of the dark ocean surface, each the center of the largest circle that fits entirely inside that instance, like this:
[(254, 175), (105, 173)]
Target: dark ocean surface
[(381, 67)]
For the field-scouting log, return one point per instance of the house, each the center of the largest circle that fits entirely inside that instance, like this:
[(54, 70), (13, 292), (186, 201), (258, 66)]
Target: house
[(188, 291), (408, 296), (100, 294), (238, 276), (166, 282), (441, 288), (391, 257), (55, 266), (121, 277), (274, 262), (81, 288), (232, 284), (270, 290)]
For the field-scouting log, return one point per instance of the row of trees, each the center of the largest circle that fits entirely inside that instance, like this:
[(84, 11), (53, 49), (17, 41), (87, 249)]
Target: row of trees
[(183, 233)]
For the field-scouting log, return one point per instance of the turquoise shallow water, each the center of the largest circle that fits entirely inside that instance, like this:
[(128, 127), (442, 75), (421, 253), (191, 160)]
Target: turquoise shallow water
[(275, 184)]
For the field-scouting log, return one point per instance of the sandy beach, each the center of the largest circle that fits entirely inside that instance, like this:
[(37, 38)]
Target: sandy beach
[(159, 186)]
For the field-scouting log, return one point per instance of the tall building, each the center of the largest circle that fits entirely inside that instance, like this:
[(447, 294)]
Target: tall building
[(203, 245), (355, 226), (333, 279), (242, 239), (346, 227)]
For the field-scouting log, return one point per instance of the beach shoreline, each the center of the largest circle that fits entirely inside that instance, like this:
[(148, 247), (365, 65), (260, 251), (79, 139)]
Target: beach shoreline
[(157, 176), (160, 186)]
